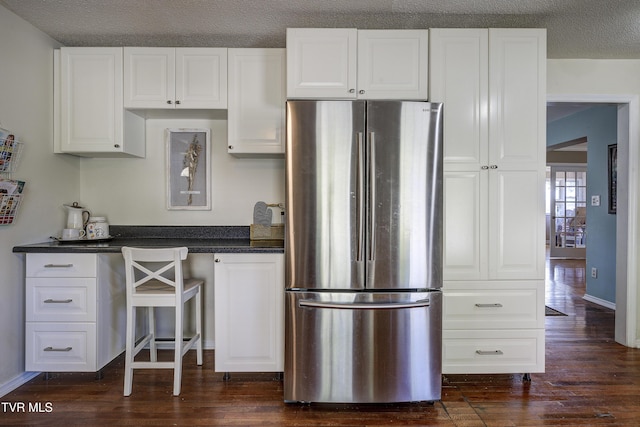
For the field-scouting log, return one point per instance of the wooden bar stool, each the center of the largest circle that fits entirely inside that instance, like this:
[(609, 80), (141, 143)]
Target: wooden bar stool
[(154, 279)]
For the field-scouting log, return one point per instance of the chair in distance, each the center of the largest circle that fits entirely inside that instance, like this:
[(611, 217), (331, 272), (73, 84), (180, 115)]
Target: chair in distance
[(154, 278)]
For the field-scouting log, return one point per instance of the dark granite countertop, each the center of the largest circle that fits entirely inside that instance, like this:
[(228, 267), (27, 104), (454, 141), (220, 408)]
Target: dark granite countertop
[(199, 239)]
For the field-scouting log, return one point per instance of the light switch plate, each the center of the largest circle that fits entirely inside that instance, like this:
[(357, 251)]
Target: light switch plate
[(595, 200)]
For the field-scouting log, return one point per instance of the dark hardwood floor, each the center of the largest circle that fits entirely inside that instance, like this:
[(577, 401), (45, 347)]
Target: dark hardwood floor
[(589, 380)]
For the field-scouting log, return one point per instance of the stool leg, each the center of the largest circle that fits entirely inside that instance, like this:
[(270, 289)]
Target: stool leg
[(128, 359), (177, 357), (153, 349), (199, 327)]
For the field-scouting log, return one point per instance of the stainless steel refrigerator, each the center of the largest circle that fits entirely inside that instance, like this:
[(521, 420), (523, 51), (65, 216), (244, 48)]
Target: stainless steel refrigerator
[(363, 251)]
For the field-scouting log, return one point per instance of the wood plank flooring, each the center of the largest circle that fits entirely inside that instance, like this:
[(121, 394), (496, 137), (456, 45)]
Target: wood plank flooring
[(590, 380)]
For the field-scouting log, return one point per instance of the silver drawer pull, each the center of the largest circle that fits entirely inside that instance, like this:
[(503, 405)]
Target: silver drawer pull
[(57, 301), (66, 349), (58, 265), (496, 305), (489, 353)]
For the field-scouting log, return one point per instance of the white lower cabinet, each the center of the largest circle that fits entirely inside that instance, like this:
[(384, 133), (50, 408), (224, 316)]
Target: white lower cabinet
[(495, 328), (75, 311), (249, 312)]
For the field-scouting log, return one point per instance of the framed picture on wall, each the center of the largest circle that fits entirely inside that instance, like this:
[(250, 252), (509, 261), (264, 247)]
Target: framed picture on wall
[(613, 177), (188, 169)]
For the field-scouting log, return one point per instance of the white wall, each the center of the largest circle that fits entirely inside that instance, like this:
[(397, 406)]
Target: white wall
[(616, 81), (133, 191), (26, 99)]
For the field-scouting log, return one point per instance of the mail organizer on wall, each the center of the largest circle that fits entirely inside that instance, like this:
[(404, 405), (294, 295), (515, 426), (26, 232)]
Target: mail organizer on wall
[(10, 189)]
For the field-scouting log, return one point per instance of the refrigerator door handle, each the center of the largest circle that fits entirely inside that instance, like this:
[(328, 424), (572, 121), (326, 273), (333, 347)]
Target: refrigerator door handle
[(372, 196), (364, 306), (360, 198)]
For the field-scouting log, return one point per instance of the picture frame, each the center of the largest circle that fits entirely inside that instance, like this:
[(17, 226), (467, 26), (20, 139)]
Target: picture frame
[(612, 170), (188, 159)]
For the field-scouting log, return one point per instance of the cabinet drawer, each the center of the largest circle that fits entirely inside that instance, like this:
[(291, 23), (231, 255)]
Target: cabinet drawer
[(66, 347), (61, 299), (61, 265), (493, 309), (485, 352)]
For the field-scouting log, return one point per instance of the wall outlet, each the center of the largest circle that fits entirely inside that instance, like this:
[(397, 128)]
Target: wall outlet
[(595, 200), (594, 272)]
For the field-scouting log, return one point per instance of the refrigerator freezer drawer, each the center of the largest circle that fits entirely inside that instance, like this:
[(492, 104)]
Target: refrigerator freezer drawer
[(363, 347)]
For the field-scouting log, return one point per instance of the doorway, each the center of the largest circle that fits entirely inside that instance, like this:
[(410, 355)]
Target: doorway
[(568, 202), (628, 214)]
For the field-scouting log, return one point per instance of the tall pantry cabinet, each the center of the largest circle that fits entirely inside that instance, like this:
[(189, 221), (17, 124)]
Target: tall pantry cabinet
[(493, 86)]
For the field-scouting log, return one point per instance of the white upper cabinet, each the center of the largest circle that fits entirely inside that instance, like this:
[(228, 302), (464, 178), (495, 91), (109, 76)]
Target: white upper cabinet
[(256, 113), (321, 62), (90, 119), (357, 64), (188, 78)]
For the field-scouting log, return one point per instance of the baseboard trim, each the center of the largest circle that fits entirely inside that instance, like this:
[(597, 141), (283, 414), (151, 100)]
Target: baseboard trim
[(599, 301), (16, 382)]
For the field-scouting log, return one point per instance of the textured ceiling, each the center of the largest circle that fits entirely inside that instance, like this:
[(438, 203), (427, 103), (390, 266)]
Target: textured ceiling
[(575, 28)]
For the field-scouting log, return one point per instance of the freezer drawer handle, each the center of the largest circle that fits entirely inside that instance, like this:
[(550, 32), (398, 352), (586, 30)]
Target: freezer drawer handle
[(498, 305), (58, 265), (489, 353), (57, 301), (364, 306), (66, 349)]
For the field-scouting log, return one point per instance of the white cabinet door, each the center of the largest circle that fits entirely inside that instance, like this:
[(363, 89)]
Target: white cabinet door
[(201, 78), (393, 64), (89, 105), (256, 97), (160, 77), (249, 312), (516, 224), (91, 99), (465, 225), (321, 63), (459, 78), (517, 98), (149, 76)]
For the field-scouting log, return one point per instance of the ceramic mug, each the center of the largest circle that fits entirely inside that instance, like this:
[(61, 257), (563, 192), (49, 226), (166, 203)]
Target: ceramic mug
[(72, 234)]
